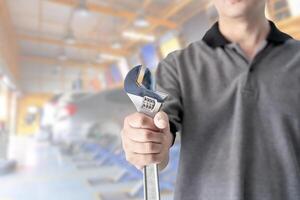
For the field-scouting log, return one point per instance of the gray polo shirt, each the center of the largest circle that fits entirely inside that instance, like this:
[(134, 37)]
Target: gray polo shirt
[(239, 119)]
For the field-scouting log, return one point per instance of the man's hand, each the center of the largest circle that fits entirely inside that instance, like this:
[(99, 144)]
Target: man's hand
[(146, 140)]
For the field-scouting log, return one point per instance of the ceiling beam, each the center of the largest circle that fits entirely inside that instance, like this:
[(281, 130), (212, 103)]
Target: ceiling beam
[(190, 15), (66, 63), (118, 13), (79, 45), (146, 3), (173, 10), (8, 46)]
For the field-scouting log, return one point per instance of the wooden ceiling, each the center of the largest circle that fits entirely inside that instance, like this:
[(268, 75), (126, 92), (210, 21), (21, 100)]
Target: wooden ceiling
[(34, 31), (42, 25)]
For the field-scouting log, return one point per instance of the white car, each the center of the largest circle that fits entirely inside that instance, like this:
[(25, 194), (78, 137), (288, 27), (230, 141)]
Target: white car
[(63, 112), (92, 116)]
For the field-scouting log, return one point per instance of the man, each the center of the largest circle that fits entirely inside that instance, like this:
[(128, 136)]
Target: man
[(235, 96)]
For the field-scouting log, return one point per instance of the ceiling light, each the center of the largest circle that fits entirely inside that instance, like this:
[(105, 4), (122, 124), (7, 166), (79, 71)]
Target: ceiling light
[(138, 36), (82, 12), (99, 60), (70, 39), (141, 22), (62, 57), (105, 56), (116, 45), (32, 109), (82, 9), (6, 80)]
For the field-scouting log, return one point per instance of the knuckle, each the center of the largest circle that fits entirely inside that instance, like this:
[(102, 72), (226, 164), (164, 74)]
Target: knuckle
[(147, 135), (159, 137), (138, 147), (158, 158), (159, 148), (141, 120), (152, 148), (148, 148), (153, 158), (152, 136), (129, 118)]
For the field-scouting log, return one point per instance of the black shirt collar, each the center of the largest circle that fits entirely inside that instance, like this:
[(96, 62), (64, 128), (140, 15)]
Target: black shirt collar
[(214, 37)]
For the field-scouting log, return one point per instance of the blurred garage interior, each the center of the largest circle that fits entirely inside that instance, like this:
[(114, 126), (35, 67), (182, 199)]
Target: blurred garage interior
[(62, 104)]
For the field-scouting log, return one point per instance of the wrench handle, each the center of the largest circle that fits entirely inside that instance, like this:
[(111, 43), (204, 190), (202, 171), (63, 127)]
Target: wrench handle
[(151, 182), (150, 174)]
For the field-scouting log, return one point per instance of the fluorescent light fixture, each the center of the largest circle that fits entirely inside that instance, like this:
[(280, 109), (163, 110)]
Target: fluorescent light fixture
[(70, 39), (32, 109), (82, 9), (116, 45), (111, 57), (82, 12), (62, 57), (99, 60), (8, 83), (132, 35), (141, 22)]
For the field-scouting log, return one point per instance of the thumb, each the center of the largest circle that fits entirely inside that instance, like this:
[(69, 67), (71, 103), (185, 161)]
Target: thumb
[(161, 121)]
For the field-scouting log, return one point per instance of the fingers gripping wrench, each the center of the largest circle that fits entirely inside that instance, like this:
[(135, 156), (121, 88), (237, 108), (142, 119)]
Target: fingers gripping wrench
[(139, 87)]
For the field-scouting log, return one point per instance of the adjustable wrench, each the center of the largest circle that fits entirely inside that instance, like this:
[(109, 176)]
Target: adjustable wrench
[(140, 89)]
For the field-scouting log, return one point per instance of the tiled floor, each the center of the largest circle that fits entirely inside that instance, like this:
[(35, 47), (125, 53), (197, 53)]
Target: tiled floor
[(43, 173)]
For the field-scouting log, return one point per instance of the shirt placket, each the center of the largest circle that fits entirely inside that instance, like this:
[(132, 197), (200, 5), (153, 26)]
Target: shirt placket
[(248, 82)]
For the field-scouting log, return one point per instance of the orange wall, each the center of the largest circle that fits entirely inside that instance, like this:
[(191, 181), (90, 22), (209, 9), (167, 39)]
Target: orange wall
[(26, 101)]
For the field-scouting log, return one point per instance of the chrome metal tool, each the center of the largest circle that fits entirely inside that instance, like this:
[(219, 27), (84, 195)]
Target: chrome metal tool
[(140, 89)]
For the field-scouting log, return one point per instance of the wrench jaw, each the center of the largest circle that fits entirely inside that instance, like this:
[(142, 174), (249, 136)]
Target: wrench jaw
[(145, 99), (146, 105)]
